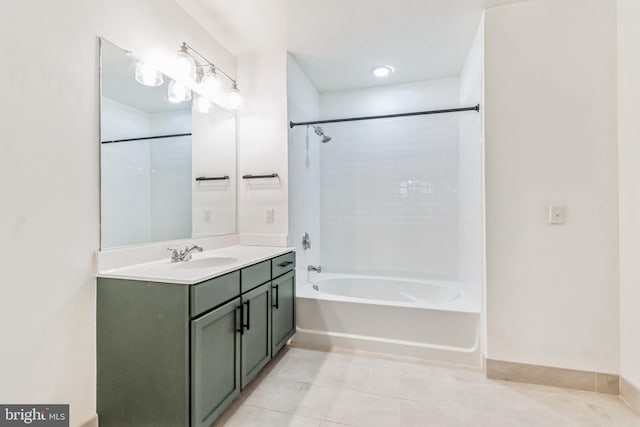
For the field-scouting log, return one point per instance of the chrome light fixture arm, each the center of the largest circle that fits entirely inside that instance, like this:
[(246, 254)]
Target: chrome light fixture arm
[(208, 63)]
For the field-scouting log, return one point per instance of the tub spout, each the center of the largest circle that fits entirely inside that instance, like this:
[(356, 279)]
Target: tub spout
[(316, 268)]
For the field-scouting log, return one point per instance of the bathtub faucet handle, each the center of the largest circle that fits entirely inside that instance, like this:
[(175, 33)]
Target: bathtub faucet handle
[(306, 241), (316, 268)]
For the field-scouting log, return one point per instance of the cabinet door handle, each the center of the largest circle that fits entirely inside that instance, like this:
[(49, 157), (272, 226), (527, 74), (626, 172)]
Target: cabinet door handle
[(248, 324), (241, 330), (285, 263), (277, 288)]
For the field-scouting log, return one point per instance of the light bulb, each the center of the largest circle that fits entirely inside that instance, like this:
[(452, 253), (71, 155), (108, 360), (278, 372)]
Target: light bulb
[(178, 92), (185, 65), (211, 82), (235, 101), (148, 75), (201, 104)]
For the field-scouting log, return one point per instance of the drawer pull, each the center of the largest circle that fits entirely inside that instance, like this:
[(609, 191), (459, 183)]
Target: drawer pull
[(241, 330), (277, 288), (284, 264), (248, 324)]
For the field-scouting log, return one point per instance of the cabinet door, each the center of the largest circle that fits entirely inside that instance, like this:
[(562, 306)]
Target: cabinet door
[(215, 363), (256, 338), (283, 293)]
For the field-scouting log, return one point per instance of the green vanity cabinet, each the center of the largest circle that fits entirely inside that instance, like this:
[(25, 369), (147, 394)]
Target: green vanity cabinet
[(215, 362), (176, 355), (143, 362), (283, 317), (256, 337)]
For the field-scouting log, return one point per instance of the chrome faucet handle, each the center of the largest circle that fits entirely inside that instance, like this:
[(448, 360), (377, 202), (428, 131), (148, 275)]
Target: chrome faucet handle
[(188, 252), (306, 241), (175, 255)]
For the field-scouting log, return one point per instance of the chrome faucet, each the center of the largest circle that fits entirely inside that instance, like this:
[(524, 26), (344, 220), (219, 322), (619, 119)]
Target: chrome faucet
[(188, 251), (184, 256), (316, 268)]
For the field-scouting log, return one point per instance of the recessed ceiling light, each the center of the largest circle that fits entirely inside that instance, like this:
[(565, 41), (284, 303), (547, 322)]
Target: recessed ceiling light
[(382, 70)]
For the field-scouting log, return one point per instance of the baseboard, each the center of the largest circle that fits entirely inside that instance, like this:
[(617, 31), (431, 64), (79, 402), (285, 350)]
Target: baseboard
[(630, 394), (92, 422), (555, 377)]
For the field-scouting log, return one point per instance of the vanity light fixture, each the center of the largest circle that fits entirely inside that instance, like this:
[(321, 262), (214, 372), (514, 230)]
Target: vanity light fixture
[(211, 82), (206, 73), (382, 71), (235, 101), (148, 75), (178, 92), (186, 66)]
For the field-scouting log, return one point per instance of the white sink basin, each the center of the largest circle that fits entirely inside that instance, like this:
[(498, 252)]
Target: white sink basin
[(214, 261)]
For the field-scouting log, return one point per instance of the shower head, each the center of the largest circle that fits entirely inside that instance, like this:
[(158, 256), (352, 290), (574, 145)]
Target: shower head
[(320, 132)]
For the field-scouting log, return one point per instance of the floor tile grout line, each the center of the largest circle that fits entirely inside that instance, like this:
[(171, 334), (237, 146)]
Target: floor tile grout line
[(342, 387), (325, 419), (287, 413)]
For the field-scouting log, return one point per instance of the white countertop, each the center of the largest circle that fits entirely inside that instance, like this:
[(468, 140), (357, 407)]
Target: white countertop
[(196, 270)]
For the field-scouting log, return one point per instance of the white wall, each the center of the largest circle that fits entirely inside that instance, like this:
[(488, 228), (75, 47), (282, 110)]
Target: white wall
[(629, 193), (214, 154), (470, 170), (389, 187), (49, 171), (262, 147), (303, 104), (550, 84)]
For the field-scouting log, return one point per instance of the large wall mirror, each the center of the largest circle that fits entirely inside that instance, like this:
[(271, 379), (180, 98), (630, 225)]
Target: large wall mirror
[(167, 171)]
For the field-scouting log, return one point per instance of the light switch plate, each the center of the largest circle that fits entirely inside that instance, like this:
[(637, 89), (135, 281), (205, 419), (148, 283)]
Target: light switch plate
[(269, 213), (556, 214)]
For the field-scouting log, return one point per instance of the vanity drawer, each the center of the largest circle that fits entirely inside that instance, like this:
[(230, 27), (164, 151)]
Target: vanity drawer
[(255, 275), (209, 294), (282, 264)]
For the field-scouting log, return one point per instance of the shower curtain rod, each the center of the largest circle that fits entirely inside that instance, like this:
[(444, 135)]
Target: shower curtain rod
[(147, 137), (387, 116)]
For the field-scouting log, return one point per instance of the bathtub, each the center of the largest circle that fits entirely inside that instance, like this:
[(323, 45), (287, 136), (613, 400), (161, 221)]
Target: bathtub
[(392, 315)]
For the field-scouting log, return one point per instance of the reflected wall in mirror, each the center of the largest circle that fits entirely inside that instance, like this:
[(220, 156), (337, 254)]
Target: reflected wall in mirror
[(158, 158)]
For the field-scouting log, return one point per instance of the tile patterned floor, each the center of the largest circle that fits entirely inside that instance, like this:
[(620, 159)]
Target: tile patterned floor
[(307, 388)]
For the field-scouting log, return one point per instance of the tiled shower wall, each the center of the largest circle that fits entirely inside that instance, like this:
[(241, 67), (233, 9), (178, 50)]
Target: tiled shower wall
[(389, 188)]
